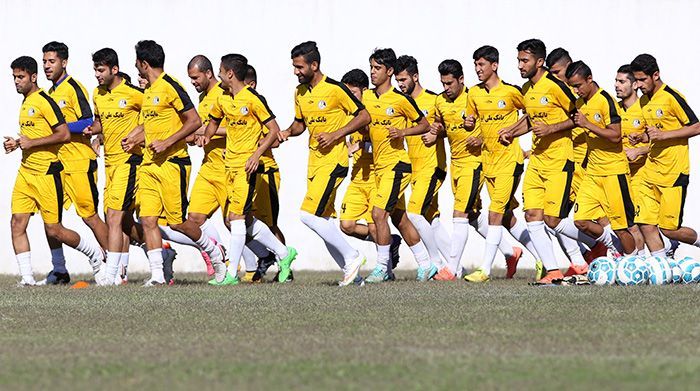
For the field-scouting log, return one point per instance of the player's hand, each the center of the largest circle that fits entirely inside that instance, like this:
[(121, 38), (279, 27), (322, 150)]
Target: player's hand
[(394, 133), (191, 139), (632, 154), (429, 139), (159, 146), (88, 131), (581, 120), (435, 128), (526, 154), (540, 129), (505, 136), (10, 144), (96, 144), (25, 142), (473, 142), (469, 122), (354, 147), (654, 133), (325, 140), (636, 138), (283, 135), (251, 165)]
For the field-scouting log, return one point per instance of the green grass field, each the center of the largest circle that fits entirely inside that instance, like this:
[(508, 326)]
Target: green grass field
[(312, 335)]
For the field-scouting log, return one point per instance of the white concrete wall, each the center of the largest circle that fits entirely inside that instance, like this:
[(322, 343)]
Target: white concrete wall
[(605, 34)]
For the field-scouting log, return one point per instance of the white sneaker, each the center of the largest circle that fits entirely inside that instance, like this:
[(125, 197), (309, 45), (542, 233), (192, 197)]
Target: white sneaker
[(31, 282), (351, 270), (220, 270), (152, 282)]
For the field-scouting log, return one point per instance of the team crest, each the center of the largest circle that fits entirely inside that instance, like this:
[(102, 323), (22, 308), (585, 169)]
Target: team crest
[(425, 112), (659, 113), (122, 103), (61, 103), (544, 100), (389, 111), (244, 110), (597, 116), (31, 112), (636, 123), (322, 104), (501, 104), (156, 100)]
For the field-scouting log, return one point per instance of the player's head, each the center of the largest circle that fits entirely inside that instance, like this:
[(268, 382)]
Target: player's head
[(251, 77), (406, 73), (357, 81), (55, 60), (579, 77), (201, 72), (452, 78), (625, 83), (306, 60), (24, 71), (149, 55), (485, 62), (557, 61), (233, 69), (531, 56), (105, 62), (382, 63), (646, 72)]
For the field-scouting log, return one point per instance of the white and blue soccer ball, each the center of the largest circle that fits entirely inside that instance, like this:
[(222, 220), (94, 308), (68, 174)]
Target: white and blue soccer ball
[(632, 270), (602, 271), (660, 272), (676, 273), (689, 270)]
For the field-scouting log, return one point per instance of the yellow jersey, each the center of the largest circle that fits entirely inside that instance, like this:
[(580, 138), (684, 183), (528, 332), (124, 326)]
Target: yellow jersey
[(118, 112), (550, 101), (453, 113), (667, 110), (632, 121), (163, 102), (214, 151), (494, 110), (72, 99), (362, 159), (603, 157), (422, 156), (390, 109), (38, 116)]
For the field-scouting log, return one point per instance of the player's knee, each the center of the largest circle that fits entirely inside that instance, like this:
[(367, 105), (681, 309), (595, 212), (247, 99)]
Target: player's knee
[(582, 225), (149, 223), (532, 215), (379, 215), (347, 226), (53, 230), (197, 218), (18, 225), (114, 219), (551, 221)]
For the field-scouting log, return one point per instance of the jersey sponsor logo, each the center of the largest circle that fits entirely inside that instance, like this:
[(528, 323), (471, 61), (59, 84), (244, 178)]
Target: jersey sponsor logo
[(501, 104), (62, 103), (122, 103), (390, 111), (384, 122), (659, 113), (31, 112), (317, 120), (544, 100), (322, 104), (496, 117)]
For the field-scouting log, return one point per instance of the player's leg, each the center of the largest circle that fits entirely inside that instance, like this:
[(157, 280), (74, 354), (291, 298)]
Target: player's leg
[(534, 202), (422, 208), (20, 243), (81, 188), (671, 207), (465, 187), (647, 210)]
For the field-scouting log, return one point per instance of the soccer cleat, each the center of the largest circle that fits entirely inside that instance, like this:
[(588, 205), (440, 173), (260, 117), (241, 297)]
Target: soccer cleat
[(286, 264), (377, 275), (251, 277), (394, 250), (599, 250), (539, 270), (551, 277), (424, 275), (265, 263), (512, 262), (24, 282), (477, 275), (152, 282), (55, 278), (614, 254), (169, 255), (576, 270), (672, 251), (207, 261), (351, 270), (390, 276), (445, 274), (228, 280), (121, 278)]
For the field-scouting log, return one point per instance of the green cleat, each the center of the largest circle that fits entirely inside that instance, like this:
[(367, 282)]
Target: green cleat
[(228, 280), (286, 264), (424, 275), (377, 275), (539, 270)]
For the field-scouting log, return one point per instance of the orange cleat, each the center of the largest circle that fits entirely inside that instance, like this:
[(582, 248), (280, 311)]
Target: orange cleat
[(445, 275), (512, 262), (550, 277), (576, 270), (599, 250)]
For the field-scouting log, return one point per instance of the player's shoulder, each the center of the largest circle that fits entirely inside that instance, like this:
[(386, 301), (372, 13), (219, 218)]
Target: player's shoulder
[(512, 87), (172, 82), (673, 93), (429, 92)]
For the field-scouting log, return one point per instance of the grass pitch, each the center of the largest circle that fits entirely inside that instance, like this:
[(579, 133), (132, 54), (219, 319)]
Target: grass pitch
[(311, 334)]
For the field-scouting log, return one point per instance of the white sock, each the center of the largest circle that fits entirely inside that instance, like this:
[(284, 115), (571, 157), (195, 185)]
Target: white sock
[(543, 244), (522, 235), (427, 237), (251, 261), (210, 231), (24, 261), (617, 244), (635, 252), (570, 246), (606, 238), (421, 254), (176, 236), (112, 268), (208, 246), (336, 255), (481, 226), (460, 235), (91, 249), (441, 238), (567, 227), (696, 243), (258, 249), (493, 238), (58, 260), (155, 260), (124, 260), (660, 253), (261, 232), (383, 257), (236, 245), (330, 233)]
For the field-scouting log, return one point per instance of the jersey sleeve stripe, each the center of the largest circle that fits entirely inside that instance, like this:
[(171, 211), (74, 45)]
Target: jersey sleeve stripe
[(612, 106), (264, 102), (83, 104), (692, 119), (181, 93), (520, 90), (352, 96), (55, 108), (414, 104), (563, 87)]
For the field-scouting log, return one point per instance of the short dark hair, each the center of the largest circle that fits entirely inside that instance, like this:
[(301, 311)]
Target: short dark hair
[(107, 57), (627, 70), (557, 55), (406, 63), (385, 57), (308, 50), (25, 63), (645, 63), (534, 46), (124, 76), (488, 53), (356, 78), (578, 68), (59, 47), (451, 67), (251, 74), (201, 62), (236, 63), (150, 52)]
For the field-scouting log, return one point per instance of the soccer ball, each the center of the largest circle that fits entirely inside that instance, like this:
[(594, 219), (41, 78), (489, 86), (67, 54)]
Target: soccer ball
[(675, 271), (659, 271), (632, 270), (602, 271), (690, 270)]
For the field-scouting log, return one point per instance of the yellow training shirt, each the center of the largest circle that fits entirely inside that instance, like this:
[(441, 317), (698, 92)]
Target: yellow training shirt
[(38, 116), (453, 113), (422, 156), (118, 111)]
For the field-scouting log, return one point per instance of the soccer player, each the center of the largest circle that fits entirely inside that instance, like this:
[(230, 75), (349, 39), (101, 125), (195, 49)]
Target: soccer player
[(246, 113), (428, 165), (330, 112), (670, 122), (42, 130), (394, 117), (77, 156), (605, 189), (493, 105), (168, 118)]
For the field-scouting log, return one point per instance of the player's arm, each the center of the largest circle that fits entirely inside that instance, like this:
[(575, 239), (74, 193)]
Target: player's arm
[(190, 122), (540, 129), (135, 138), (266, 143), (60, 134), (612, 132), (634, 153), (519, 128), (422, 126), (296, 128), (686, 132), (83, 111), (358, 122)]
